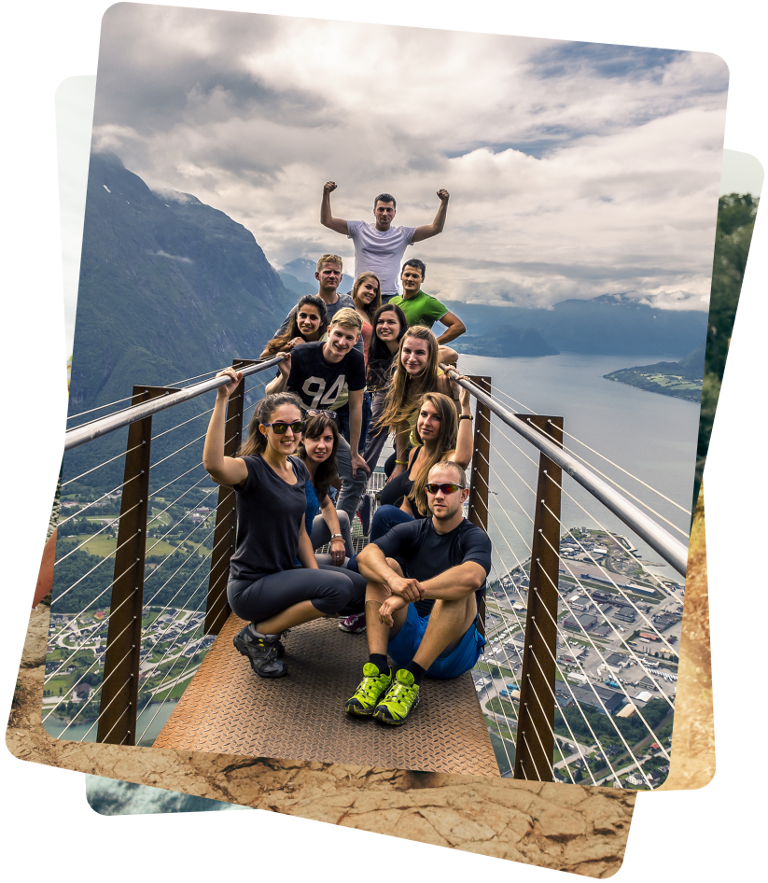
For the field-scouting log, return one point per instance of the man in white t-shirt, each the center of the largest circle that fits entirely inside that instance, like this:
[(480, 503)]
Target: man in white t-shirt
[(379, 247)]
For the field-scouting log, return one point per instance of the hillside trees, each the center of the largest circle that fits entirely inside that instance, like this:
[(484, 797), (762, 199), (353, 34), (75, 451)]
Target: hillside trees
[(735, 223)]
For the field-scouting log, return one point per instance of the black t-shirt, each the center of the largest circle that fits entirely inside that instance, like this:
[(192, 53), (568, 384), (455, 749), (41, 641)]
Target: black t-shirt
[(317, 382), (269, 516), (427, 553), (399, 487)]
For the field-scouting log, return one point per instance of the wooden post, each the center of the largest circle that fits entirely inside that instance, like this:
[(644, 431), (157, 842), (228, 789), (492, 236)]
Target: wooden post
[(534, 749), (120, 687)]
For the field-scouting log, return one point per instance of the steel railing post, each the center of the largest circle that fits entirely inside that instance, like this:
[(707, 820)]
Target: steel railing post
[(120, 686), (480, 472), (217, 608), (534, 748)]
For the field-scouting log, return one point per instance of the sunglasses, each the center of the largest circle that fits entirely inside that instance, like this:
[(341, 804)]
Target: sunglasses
[(316, 412), (280, 427), (433, 488)]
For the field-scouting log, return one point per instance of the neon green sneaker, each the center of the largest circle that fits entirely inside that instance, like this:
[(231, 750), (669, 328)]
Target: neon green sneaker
[(372, 687), (400, 700)]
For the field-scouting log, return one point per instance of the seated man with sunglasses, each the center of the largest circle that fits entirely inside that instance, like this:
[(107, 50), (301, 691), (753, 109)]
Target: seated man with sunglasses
[(426, 579)]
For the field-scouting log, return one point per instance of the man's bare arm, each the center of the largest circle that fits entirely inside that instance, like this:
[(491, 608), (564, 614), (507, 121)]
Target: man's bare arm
[(372, 564), (281, 381), (355, 423), (453, 328), (339, 225), (437, 225), (454, 583)]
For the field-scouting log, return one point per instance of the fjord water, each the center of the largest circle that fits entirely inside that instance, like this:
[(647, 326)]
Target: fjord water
[(651, 436)]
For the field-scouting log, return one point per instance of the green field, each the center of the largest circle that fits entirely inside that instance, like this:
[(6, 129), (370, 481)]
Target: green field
[(66, 684), (503, 672), (501, 706), (102, 545), (505, 753)]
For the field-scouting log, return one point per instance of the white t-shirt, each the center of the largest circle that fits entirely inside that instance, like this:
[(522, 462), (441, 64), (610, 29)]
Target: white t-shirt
[(380, 252)]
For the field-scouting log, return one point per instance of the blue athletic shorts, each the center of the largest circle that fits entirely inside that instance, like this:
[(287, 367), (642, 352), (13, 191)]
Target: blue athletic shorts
[(462, 658)]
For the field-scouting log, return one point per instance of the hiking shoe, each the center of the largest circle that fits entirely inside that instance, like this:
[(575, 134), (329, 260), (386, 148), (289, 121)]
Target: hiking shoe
[(372, 687), (399, 701), (364, 513), (280, 646), (250, 637), (262, 652), (354, 624)]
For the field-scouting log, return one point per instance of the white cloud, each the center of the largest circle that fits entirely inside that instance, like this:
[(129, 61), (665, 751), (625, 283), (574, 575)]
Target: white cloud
[(574, 169)]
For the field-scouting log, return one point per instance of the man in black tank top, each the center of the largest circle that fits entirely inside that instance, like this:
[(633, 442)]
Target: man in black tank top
[(425, 581)]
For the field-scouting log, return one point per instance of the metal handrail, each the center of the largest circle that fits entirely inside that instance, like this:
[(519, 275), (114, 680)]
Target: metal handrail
[(671, 549), (79, 435)]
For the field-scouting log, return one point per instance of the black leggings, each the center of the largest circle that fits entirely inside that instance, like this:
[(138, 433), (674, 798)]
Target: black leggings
[(330, 589)]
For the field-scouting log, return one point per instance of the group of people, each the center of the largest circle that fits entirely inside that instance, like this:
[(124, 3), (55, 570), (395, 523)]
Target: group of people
[(356, 368)]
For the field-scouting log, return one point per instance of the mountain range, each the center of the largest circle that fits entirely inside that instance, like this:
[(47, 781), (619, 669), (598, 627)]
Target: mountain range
[(610, 324), (171, 288)]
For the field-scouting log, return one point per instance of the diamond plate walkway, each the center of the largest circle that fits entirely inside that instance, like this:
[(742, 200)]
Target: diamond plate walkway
[(228, 709)]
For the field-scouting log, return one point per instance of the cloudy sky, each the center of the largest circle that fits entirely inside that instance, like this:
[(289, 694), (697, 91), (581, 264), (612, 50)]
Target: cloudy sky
[(574, 169)]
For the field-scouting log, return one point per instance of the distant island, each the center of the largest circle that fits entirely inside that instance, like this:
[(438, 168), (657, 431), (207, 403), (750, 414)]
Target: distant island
[(682, 380)]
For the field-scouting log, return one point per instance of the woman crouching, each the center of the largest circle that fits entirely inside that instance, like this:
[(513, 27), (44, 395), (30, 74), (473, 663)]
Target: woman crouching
[(267, 585), (324, 523)]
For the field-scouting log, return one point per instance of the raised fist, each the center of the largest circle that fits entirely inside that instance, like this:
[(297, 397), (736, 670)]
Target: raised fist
[(330, 186), (443, 195)]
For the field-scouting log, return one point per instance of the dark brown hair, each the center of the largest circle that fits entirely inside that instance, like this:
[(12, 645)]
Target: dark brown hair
[(326, 471), (256, 443)]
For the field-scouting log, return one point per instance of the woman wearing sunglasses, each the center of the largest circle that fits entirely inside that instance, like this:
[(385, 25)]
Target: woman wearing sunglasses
[(324, 523), (308, 323), (267, 586)]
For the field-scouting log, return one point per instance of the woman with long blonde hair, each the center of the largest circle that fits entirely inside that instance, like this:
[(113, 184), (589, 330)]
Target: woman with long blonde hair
[(440, 435), (416, 372)]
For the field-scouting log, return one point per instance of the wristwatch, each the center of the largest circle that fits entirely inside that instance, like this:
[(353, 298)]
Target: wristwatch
[(465, 417), (337, 536)]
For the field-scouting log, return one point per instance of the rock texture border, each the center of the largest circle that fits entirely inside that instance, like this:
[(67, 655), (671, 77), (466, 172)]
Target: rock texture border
[(575, 828)]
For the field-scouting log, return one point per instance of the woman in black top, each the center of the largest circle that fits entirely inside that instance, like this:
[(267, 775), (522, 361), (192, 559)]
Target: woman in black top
[(266, 584)]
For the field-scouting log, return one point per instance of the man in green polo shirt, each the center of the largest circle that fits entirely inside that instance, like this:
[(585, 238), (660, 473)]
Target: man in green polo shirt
[(421, 308)]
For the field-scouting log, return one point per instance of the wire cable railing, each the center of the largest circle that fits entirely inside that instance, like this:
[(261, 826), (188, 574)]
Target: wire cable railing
[(497, 456), (156, 649), (576, 703)]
